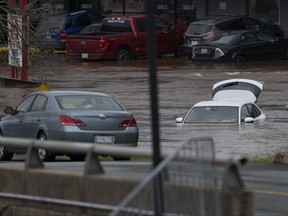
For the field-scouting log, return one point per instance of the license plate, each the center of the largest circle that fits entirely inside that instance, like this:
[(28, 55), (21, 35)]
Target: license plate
[(84, 55), (99, 139), (204, 51), (194, 42)]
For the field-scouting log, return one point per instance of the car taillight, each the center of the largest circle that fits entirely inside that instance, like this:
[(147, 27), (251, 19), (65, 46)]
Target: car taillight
[(63, 35), (103, 44), (218, 53), (68, 121), (128, 123), (208, 35)]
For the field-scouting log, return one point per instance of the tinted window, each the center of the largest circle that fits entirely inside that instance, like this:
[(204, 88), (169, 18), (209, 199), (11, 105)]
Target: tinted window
[(83, 20), (141, 25), (55, 22), (235, 25), (160, 25), (248, 38), (25, 105), (261, 36), (250, 23), (198, 29), (39, 104)]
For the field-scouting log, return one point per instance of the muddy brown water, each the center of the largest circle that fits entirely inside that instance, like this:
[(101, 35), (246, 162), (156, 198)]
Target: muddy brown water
[(181, 84)]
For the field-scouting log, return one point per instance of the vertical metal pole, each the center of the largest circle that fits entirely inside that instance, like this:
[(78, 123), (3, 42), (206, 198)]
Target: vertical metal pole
[(124, 6), (24, 71), (152, 57)]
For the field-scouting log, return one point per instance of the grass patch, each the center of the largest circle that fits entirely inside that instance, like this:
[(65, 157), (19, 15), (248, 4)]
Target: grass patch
[(65, 158), (261, 159)]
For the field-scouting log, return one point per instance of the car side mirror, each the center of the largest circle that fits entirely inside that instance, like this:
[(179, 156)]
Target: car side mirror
[(179, 120), (9, 110), (249, 120)]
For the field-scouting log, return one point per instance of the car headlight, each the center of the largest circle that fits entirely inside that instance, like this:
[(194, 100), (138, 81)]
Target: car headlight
[(218, 53)]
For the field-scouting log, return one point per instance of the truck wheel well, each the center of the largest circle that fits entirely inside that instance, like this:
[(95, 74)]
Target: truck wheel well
[(123, 53)]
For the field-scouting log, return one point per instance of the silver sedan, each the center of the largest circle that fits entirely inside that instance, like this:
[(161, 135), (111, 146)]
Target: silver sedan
[(76, 116)]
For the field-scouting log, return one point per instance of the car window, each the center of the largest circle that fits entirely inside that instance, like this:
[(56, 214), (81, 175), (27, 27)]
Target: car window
[(161, 25), (87, 102), (247, 38), (83, 20), (235, 25), (68, 23), (262, 36), (250, 23), (141, 25), (39, 104), (116, 25), (198, 29), (249, 110), (54, 22), (25, 105), (223, 39), (213, 114)]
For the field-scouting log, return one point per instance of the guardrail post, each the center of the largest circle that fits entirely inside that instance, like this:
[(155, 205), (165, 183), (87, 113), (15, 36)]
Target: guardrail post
[(33, 160), (92, 164)]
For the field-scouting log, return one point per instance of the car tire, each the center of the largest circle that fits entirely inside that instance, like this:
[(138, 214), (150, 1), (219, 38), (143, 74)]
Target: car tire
[(123, 55), (4, 155), (43, 154), (239, 59)]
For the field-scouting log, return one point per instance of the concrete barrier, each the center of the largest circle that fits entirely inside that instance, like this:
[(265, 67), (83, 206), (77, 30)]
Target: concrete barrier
[(33, 192)]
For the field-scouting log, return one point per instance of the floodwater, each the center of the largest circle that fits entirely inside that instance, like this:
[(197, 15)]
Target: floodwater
[(181, 84)]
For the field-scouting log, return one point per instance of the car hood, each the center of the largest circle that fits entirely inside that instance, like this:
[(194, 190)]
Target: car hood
[(237, 90)]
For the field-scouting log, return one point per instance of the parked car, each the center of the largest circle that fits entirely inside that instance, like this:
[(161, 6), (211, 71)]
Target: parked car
[(240, 46), (233, 102), (76, 116), (124, 37), (203, 29), (53, 31)]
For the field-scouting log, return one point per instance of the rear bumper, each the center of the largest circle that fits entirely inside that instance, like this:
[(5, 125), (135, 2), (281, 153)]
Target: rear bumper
[(89, 56)]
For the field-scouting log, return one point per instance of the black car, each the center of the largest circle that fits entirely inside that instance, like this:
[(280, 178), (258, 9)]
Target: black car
[(201, 30), (240, 46)]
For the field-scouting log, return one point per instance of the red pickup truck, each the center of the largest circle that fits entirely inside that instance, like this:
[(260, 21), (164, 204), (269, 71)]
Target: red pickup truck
[(123, 38)]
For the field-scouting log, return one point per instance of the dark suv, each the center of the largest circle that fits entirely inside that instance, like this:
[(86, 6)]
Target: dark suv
[(205, 28), (53, 31)]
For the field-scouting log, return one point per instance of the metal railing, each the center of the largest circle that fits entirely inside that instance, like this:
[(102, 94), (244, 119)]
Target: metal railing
[(191, 165)]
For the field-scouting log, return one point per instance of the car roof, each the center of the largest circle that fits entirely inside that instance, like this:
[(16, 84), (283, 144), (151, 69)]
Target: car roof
[(220, 103), (218, 18), (67, 92)]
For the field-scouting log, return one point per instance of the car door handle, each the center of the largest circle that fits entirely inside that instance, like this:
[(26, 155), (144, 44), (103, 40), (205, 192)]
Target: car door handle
[(38, 119)]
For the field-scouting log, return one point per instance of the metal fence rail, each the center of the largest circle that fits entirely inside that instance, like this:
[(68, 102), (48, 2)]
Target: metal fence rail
[(192, 184)]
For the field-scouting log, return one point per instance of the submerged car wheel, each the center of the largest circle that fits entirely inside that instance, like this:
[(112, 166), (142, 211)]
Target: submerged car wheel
[(4, 155), (43, 154), (123, 55), (239, 59)]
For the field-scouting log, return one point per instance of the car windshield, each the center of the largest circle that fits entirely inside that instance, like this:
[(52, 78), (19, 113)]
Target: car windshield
[(87, 102), (198, 29), (223, 39), (116, 25), (213, 114)]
